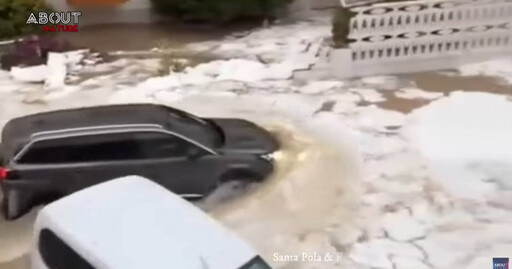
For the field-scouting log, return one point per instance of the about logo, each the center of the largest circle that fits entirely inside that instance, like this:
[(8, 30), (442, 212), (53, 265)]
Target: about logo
[(56, 21), (500, 263)]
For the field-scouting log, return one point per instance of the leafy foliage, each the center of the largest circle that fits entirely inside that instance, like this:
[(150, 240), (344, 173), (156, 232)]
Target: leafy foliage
[(219, 10), (14, 15)]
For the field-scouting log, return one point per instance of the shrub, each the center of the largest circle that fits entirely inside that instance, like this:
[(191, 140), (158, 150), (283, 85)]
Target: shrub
[(219, 10), (14, 15)]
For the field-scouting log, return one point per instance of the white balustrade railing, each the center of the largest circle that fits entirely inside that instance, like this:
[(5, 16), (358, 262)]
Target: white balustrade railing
[(425, 35)]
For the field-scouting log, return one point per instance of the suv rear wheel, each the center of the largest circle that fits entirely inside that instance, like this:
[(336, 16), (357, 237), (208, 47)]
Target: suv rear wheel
[(10, 205), (1, 155), (241, 175), (230, 186)]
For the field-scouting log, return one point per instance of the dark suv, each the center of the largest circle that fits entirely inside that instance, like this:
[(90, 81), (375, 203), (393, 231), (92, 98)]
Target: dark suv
[(47, 156)]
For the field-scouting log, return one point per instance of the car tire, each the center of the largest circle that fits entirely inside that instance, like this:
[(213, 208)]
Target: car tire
[(1, 155), (3, 208), (239, 175), (233, 176)]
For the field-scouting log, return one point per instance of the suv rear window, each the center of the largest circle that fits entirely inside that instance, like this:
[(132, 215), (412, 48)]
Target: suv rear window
[(106, 147)]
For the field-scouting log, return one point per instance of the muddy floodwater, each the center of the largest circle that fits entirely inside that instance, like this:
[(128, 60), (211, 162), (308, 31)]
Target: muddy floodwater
[(305, 198), (302, 207), (306, 202), (130, 37), (15, 240)]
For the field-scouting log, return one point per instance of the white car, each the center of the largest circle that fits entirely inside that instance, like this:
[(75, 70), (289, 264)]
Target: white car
[(133, 223)]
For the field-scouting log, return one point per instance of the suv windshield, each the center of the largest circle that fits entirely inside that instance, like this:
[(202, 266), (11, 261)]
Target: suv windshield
[(210, 125), (256, 263)]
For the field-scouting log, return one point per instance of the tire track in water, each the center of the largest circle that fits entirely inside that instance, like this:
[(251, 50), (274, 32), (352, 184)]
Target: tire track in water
[(310, 194)]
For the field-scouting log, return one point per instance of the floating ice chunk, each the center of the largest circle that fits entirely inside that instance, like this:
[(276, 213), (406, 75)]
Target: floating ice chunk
[(371, 256), (314, 87), (74, 57), (37, 73), (168, 96), (447, 249), (130, 96), (252, 71), (369, 95), (7, 84), (209, 69), (464, 126), (230, 46), (241, 70), (194, 78), (65, 90), (500, 68), (57, 70), (226, 86), (409, 263), (413, 93), (372, 117), (380, 80), (401, 226), (279, 71), (160, 83)]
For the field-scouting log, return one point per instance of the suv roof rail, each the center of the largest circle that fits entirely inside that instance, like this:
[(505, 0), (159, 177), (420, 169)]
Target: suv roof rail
[(94, 129)]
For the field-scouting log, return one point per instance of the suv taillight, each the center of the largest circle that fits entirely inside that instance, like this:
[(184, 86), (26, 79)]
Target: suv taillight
[(4, 173)]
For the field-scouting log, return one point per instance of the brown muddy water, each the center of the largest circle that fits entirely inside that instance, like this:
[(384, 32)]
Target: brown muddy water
[(19, 263), (301, 207), (308, 196), (137, 37), (444, 83), (15, 240)]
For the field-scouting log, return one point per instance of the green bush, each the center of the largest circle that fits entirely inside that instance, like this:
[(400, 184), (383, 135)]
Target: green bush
[(14, 15), (219, 10)]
